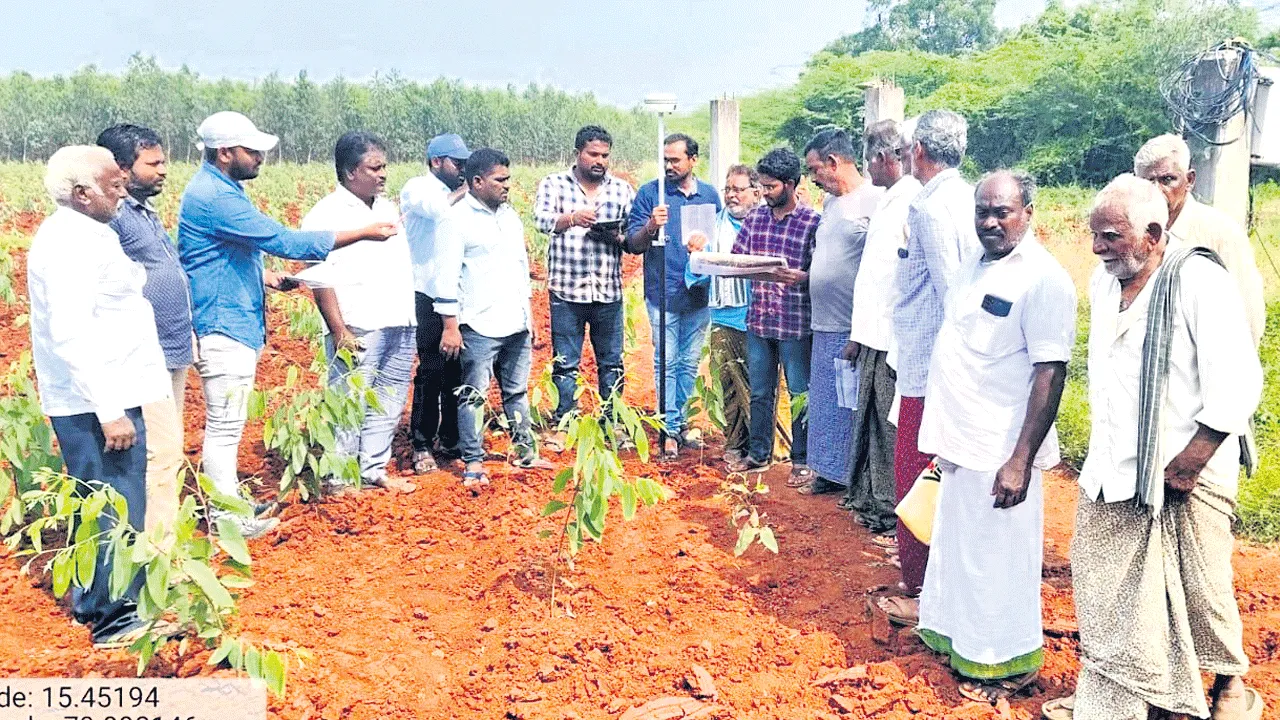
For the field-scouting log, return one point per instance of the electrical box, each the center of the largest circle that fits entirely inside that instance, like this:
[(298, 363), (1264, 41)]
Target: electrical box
[(1266, 118)]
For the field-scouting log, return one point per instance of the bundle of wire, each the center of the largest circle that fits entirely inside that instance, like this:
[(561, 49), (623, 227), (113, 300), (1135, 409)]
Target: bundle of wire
[(1201, 113)]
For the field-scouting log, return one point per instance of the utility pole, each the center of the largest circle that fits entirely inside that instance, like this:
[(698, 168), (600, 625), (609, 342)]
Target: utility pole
[(725, 145), (883, 100), (1222, 166)]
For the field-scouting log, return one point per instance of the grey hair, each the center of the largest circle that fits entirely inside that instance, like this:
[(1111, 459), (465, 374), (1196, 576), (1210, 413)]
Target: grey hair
[(1026, 183), (1162, 147), (1142, 200), (943, 135), (76, 166), (883, 137), (909, 130)]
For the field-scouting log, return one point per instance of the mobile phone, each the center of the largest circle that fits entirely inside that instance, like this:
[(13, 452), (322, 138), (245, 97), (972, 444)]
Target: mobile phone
[(610, 226)]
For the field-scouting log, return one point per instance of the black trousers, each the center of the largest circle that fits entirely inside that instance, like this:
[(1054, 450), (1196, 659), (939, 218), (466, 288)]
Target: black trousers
[(435, 402), (81, 440)]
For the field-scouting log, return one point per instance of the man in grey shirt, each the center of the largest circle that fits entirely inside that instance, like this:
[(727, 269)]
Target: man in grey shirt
[(139, 153), (836, 256)]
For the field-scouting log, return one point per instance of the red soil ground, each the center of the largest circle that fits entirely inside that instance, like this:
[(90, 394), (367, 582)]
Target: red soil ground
[(435, 604)]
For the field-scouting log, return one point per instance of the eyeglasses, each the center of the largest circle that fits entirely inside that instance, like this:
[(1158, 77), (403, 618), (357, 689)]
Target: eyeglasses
[(729, 189)]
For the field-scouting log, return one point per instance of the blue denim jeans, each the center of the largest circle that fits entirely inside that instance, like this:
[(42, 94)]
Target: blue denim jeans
[(385, 366), (569, 321), (510, 359), (81, 440), (763, 358), (686, 333)]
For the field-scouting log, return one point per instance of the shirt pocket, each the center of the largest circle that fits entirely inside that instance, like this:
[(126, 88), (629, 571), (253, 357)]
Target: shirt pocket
[(988, 334)]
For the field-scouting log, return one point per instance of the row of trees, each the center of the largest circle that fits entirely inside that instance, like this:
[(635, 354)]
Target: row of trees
[(534, 125), (1069, 96)]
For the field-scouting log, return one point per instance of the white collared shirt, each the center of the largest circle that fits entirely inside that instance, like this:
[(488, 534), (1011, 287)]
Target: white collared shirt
[(424, 201), (874, 291), (483, 275), (1215, 378), (373, 280), (1207, 226), (1001, 318), (93, 334)]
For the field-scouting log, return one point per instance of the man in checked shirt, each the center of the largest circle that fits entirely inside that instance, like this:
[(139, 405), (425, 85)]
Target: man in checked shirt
[(584, 209)]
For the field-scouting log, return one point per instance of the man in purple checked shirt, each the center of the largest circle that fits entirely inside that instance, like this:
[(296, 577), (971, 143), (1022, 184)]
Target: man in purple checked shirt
[(778, 322)]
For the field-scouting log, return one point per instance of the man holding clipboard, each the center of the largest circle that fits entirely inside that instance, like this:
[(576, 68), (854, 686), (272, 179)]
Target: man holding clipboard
[(583, 209)]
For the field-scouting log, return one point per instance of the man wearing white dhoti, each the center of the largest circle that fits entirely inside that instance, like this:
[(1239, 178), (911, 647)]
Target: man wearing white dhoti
[(1173, 381), (995, 381)]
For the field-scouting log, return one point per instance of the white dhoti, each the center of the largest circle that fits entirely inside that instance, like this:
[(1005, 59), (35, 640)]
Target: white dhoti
[(981, 598)]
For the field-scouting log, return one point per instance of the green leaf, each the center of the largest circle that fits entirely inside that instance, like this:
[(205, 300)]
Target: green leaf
[(628, 501), (768, 540), (746, 535), (553, 507), (224, 650), (231, 541), (562, 480), (158, 581), (275, 669), (62, 571), (253, 663), (203, 576), (86, 563), (121, 569)]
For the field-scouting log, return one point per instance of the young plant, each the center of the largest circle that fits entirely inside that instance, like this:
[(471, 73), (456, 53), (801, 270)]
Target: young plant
[(182, 576), (302, 317), (303, 430), (708, 394), (597, 474), (26, 445), (745, 516), (634, 315), (540, 391)]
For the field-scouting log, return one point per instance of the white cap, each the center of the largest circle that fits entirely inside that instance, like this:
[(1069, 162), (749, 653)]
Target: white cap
[(231, 129)]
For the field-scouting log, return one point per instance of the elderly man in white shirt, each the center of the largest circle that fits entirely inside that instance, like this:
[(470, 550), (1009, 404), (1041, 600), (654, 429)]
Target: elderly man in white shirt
[(995, 381), (424, 200), (1173, 381), (1166, 161), (97, 357), (940, 238), (482, 292), (365, 295), (871, 493)]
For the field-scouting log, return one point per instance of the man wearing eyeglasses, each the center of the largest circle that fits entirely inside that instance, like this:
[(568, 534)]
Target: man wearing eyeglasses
[(729, 298)]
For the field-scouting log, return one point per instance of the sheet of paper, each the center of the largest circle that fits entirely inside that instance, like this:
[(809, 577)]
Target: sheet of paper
[(847, 379)]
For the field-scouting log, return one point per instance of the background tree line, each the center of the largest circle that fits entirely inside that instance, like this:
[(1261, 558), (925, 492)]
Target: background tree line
[(534, 125), (1069, 96)]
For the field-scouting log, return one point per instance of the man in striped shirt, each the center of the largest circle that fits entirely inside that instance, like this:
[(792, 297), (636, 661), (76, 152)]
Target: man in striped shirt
[(583, 210)]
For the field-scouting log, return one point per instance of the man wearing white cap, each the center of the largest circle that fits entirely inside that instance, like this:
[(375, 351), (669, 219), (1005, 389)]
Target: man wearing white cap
[(221, 238)]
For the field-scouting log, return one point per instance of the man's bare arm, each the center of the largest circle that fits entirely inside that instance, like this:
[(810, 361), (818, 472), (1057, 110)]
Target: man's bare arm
[(1012, 480)]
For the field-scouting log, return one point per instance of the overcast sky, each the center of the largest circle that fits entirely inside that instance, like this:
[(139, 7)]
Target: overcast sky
[(618, 49)]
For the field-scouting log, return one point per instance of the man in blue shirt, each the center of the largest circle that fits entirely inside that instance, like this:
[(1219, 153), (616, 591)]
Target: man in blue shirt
[(686, 307), (221, 239), (139, 153)]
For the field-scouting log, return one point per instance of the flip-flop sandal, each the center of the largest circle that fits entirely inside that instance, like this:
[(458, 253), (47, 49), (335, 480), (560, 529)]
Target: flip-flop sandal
[(474, 479), (885, 604), (997, 690), (554, 442), (746, 465), (887, 542), (424, 462), (845, 503), (1063, 708), (800, 478), (820, 486), (534, 463)]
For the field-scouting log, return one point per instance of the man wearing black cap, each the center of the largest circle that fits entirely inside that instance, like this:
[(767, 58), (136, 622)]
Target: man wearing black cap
[(424, 200)]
